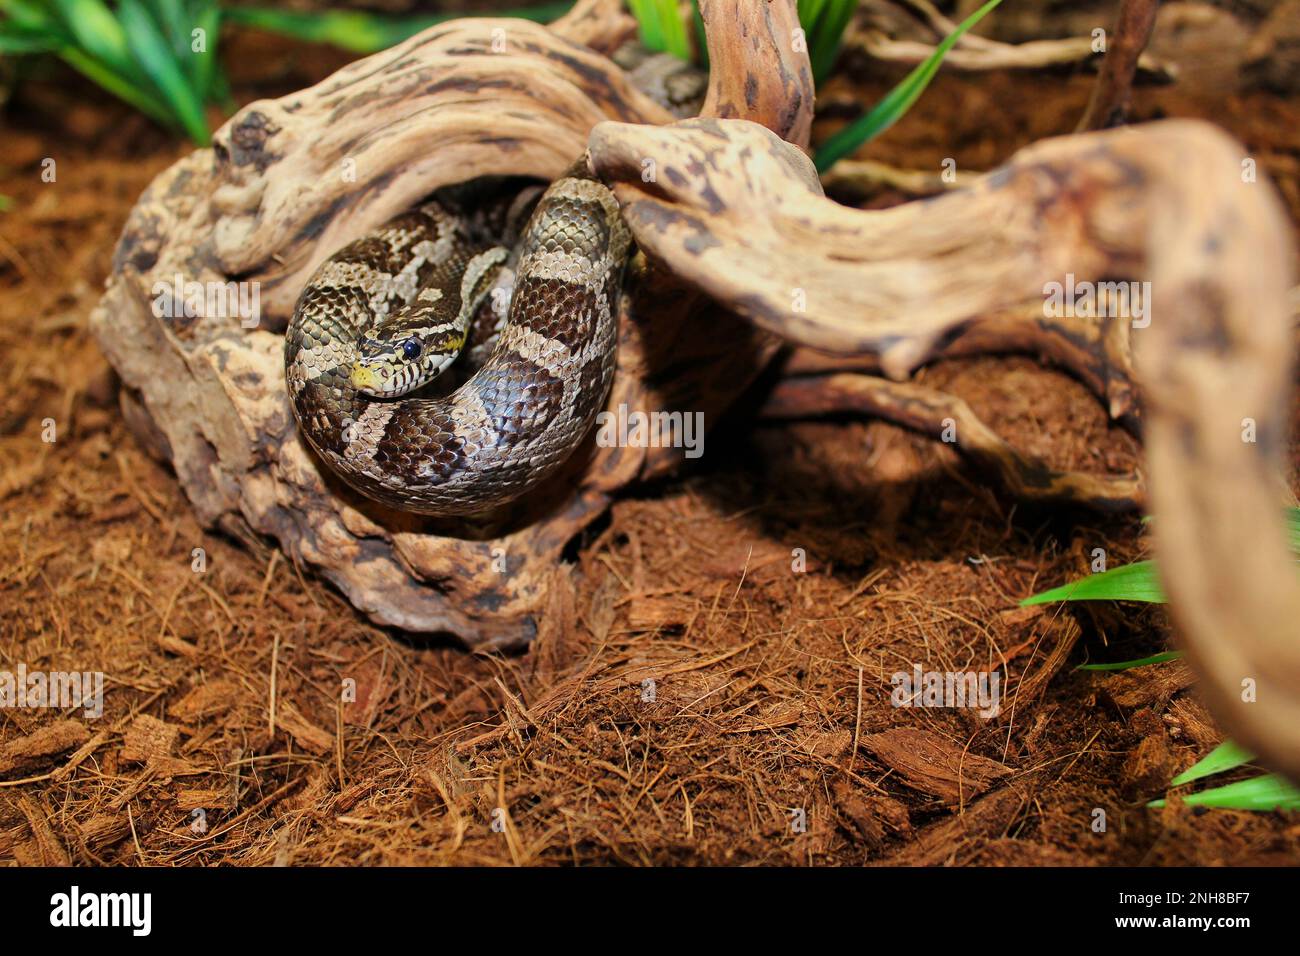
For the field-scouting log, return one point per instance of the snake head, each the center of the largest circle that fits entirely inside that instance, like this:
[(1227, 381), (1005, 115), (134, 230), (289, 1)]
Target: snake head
[(388, 366)]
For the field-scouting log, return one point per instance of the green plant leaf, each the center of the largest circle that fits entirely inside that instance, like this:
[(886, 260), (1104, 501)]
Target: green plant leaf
[(204, 67), (1226, 756), (16, 40), (160, 64), (898, 101), (1129, 582), (1129, 665), (99, 34), (33, 16), (362, 32), (177, 20), (173, 17), (701, 38), (1132, 582), (824, 23), (143, 100), (660, 27), (674, 30), (1267, 792)]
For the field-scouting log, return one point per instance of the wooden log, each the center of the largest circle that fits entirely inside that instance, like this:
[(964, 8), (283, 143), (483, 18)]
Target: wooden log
[(289, 181)]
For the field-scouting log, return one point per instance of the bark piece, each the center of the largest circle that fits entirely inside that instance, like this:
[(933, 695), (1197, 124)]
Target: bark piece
[(193, 799), (1188, 717), (206, 700), (1151, 686), (895, 36), (874, 819), (934, 765), (1149, 767), (149, 739), (988, 818), (46, 848), (49, 741), (310, 737)]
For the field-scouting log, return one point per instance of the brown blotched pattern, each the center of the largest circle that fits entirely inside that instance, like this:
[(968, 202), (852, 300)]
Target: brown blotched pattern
[(521, 415)]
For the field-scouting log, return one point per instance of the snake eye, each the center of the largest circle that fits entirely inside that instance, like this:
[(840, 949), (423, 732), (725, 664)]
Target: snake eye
[(411, 348)]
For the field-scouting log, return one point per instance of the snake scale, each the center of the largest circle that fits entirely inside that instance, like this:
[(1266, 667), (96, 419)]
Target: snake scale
[(388, 313)]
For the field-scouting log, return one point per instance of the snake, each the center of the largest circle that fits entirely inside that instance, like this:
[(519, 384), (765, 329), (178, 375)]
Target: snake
[(383, 317), (389, 312)]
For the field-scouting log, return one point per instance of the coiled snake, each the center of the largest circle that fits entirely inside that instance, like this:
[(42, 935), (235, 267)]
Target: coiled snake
[(389, 312)]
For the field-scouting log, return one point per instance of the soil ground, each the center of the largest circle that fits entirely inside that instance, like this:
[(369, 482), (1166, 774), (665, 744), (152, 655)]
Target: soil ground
[(688, 699)]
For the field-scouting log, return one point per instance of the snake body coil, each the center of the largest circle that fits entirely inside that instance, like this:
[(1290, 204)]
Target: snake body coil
[(387, 313)]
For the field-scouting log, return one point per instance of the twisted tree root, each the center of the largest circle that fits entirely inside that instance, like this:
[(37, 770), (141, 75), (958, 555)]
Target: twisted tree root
[(1114, 88), (1167, 204), (948, 418), (882, 42)]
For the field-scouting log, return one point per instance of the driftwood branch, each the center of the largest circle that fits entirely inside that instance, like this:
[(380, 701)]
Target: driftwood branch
[(948, 418), (866, 176), (1030, 55), (906, 32), (1165, 204), (1110, 96), (289, 181), (602, 25), (756, 71), (902, 284)]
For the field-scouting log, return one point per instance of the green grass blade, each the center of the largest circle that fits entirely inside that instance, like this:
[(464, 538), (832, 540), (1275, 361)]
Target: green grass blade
[(648, 22), (1130, 582), (15, 40), (362, 32), (809, 11), (124, 89), (32, 16), (830, 36), (661, 27), (99, 34), (159, 62), (220, 91), (178, 20), (1267, 792), (701, 37), (204, 68), (673, 30), (173, 17), (1226, 756), (897, 102), (824, 23), (1129, 665)]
